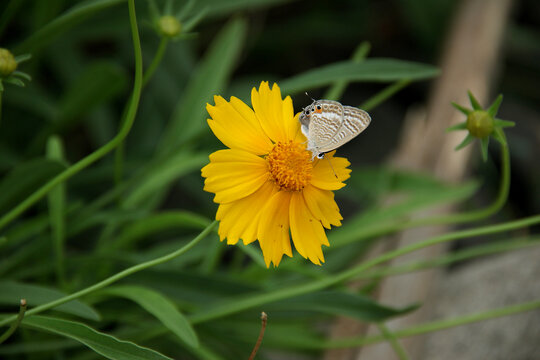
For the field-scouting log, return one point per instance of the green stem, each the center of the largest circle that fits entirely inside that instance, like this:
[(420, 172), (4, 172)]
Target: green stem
[(451, 258), (15, 325), (391, 338), (120, 150), (105, 149), (338, 88), (476, 215), (435, 325), (156, 60), (381, 96), (115, 277), (237, 305)]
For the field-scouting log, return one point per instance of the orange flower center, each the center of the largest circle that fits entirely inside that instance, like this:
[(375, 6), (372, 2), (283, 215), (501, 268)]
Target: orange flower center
[(290, 165)]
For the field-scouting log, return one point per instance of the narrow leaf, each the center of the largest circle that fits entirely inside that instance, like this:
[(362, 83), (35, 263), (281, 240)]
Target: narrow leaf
[(11, 292), (340, 303), (24, 179), (464, 110), (475, 104), (460, 126), (494, 108), (504, 123), (103, 344), (208, 80), (468, 139), (159, 306), (376, 70), (61, 24)]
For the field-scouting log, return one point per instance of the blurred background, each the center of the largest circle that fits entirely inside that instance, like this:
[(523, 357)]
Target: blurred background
[(82, 76)]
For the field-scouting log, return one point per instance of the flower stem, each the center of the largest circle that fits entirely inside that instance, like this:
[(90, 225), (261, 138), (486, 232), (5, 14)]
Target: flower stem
[(105, 149), (383, 95), (116, 277), (476, 215), (15, 325), (156, 60), (237, 305), (392, 339), (120, 150), (436, 325)]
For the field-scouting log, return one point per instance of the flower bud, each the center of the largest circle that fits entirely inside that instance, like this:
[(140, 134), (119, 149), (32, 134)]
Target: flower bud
[(7, 63), (480, 124), (169, 26)]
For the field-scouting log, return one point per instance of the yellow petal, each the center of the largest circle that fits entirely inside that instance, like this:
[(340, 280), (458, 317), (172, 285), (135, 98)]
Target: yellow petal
[(240, 219), (322, 205), (330, 172), (269, 109), (233, 174), (237, 127), (307, 232), (273, 231)]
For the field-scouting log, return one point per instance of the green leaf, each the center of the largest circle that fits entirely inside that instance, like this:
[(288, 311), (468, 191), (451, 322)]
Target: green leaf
[(103, 344), (463, 110), (162, 175), (475, 104), (468, 139), (159, 306), (494, 108), (57, 207), (159, 222), (385, 220), (460, 126), (61, 24), (12, 292), (377, 70), (24, 179), (99, 83), (340, 303), (223, 8), (208, 80), (504, 123)]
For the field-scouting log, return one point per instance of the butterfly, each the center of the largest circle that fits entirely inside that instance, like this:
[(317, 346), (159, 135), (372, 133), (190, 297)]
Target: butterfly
[(327, 125)]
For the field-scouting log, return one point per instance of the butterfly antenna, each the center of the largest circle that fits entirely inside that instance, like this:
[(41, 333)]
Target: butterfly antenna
[(309, 96)]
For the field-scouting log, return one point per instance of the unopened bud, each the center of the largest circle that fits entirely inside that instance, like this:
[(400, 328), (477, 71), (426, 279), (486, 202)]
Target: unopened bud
[(169, 26), (480, 124), (7, 63)]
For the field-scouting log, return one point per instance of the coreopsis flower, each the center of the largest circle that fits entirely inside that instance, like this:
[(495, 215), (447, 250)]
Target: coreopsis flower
[(266, 184)]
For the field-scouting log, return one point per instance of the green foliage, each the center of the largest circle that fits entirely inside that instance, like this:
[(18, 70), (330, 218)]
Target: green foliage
[(125, 247)]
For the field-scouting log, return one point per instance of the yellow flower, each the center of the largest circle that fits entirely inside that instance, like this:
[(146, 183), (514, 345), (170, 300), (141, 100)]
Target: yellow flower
[(266, 184)]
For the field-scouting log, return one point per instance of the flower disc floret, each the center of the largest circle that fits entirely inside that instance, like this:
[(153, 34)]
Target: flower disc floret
[(290, 165)]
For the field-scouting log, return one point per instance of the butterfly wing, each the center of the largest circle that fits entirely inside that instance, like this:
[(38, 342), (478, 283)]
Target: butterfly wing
[(325, 125), (354, 122)]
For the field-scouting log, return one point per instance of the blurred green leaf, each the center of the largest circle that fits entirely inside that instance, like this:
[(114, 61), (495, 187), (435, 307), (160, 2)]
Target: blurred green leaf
[(159, 222), (12, 292), (99, 83), (384, 220), (373, 69), (104, 344), (208, 80), (222, 8), (40, 347), (339, 303), (162, 175), (57, 208), (24, 179), (159, 306), (61, 24)]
